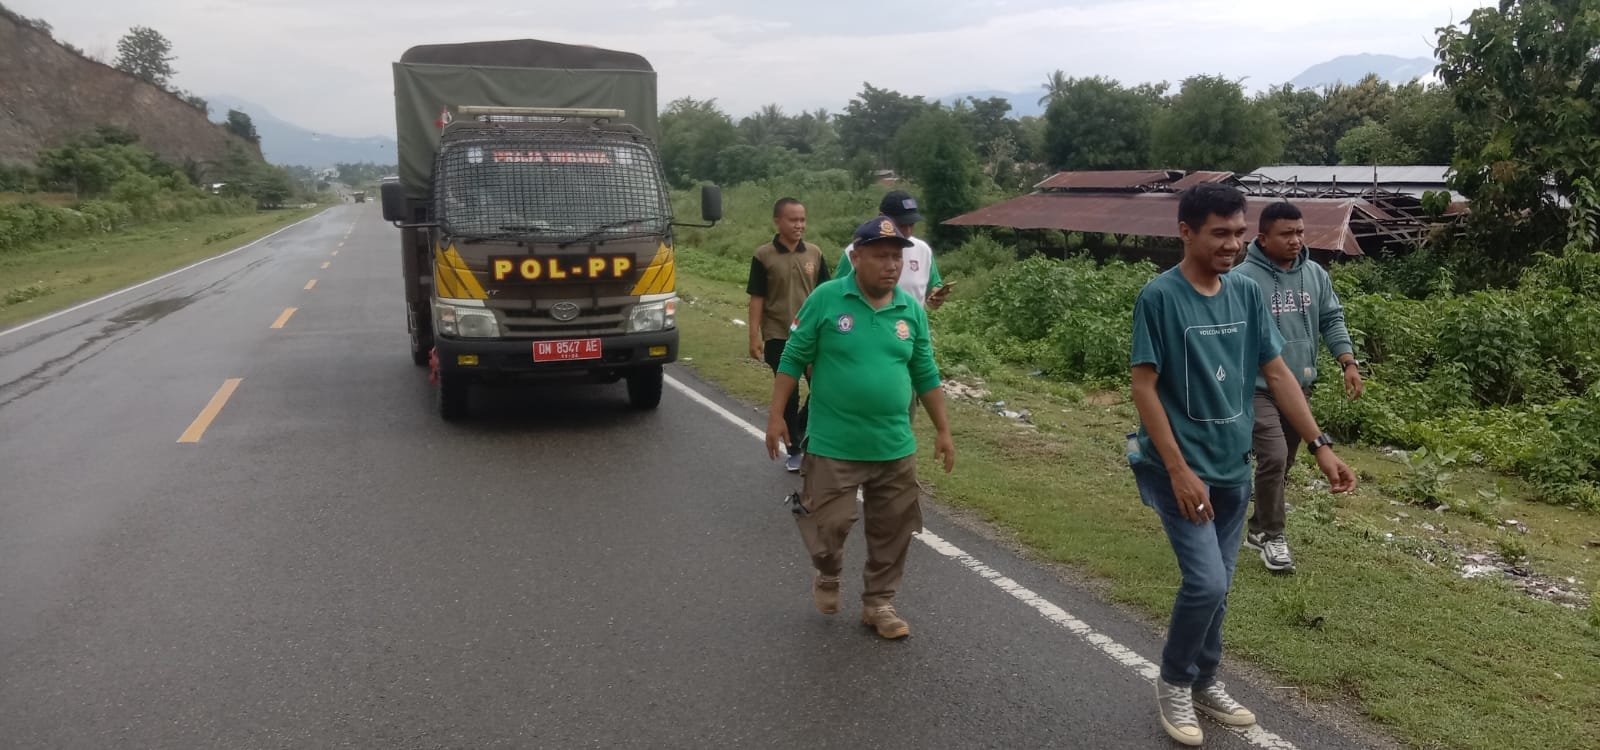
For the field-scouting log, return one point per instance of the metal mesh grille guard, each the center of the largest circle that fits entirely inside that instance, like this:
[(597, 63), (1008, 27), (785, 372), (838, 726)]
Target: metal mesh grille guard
[(548, 185)]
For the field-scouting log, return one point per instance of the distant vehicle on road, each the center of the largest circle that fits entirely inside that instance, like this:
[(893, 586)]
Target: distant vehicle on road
[(360, 196)]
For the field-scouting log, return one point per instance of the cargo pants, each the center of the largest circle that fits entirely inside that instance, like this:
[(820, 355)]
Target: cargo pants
[(890, 501)]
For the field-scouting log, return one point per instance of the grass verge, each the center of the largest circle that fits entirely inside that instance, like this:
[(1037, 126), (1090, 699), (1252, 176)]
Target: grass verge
[(1378, 614), (40, 280)]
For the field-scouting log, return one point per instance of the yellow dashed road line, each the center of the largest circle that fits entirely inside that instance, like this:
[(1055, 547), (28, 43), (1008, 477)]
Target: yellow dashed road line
[(213, 408)]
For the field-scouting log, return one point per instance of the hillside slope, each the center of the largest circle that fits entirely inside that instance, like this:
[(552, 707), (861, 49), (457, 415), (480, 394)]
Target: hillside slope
[(51, 93)]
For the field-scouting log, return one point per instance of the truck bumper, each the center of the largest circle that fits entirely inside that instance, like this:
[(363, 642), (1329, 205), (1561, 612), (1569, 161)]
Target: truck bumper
[(495, 359)]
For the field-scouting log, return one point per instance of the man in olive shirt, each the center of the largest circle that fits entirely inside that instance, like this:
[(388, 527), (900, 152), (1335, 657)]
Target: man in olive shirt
[(782, 274), (867, 343)]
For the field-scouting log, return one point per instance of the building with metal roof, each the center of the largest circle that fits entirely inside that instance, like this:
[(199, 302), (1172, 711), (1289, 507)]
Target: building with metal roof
[(1145, 203), (1352, 179)]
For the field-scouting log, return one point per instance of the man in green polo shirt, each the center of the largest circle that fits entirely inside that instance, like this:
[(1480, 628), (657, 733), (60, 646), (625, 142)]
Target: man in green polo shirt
[(867, 343)]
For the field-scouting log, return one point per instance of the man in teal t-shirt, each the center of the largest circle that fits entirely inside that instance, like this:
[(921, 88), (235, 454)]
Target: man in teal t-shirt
[(868, 346), (1200, 336)]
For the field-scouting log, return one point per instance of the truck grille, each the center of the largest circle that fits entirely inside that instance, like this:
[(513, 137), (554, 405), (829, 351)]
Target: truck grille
[(593, 320)]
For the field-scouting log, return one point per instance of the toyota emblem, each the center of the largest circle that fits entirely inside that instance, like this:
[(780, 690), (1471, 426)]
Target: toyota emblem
[(564, 311)]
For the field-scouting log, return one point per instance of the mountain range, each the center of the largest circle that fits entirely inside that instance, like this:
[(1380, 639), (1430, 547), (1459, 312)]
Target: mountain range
[(285, 143)]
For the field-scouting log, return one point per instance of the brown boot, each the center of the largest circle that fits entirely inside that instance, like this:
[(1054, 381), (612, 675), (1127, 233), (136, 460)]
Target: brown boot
[(885, 621), (825, 593)]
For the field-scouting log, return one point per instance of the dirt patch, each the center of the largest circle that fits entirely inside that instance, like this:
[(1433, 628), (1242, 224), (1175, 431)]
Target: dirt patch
[(1103, 398)]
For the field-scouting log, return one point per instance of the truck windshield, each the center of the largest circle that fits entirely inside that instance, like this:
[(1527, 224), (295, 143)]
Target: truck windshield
[(512, 189)]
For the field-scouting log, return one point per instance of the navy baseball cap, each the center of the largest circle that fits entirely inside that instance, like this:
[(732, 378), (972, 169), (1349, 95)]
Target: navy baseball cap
[(878, 230), (900, 206)]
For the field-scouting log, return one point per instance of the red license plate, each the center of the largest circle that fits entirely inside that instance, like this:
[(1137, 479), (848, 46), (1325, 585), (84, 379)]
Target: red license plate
[(566, 351)]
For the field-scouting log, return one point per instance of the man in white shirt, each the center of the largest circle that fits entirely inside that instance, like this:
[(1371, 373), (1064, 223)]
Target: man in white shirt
[(919, 275)]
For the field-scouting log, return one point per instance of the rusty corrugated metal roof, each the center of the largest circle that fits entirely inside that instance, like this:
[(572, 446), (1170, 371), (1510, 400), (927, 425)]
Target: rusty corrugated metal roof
[(1151, 215), (1196, 178), (1108, 180)]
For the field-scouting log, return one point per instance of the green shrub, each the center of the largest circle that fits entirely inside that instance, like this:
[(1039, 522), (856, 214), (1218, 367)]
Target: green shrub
[(1028, 299), (962, 354), (1090, 345), (1427, 477), (1398, 333), (1575, 272)]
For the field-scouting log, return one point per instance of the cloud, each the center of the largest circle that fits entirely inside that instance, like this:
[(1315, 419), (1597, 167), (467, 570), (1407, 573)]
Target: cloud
[(325, 64)]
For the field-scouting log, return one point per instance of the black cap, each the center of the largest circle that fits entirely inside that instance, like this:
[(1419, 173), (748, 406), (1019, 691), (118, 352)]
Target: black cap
[(880, 229), (900, 206)]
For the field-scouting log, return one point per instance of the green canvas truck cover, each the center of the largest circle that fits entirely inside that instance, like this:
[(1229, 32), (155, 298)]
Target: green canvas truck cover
[(432, 79)]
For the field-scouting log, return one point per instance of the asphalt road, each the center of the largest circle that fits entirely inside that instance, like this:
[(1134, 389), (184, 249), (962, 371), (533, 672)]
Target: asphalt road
[(330, 565)]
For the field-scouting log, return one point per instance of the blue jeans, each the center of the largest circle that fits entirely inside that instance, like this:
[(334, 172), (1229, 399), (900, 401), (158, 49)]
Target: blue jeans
[(1206, 554)]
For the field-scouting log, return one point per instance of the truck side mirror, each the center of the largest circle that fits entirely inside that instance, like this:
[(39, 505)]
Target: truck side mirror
[(394, 202), (711, 203)]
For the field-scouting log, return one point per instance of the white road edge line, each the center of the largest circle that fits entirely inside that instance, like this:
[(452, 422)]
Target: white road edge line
[(162, 277), (1119, 653)]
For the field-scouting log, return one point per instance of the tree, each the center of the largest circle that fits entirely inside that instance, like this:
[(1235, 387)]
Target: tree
[(1055, 85), (1371, 143), (195, 100), (992, 130), (936, 152), (1345, 108), (813, 133), (1097, 123), (239, 124), (1425, 119), (872, 118), (1298, 110), (693, 133), (768, 127), (145, 53), (745, 163), (1210, 125), (1526, 77), (243, 174)]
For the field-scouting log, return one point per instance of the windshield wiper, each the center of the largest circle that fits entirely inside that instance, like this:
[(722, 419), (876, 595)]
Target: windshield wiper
[(604, 227)]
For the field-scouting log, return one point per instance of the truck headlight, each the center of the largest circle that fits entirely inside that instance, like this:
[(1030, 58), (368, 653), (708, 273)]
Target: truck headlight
[(653, 316), (464, 321)]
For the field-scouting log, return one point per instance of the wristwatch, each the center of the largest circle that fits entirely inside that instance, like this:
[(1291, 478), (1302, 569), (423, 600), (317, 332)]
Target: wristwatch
[(1324, 440), (1356, 363)]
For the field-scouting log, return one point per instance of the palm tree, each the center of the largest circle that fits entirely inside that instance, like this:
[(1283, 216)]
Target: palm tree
[(811, 131), (766, 127), (1055, 85)]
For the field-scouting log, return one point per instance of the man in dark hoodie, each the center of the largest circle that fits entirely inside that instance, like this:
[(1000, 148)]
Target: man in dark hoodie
[(1305, 307)]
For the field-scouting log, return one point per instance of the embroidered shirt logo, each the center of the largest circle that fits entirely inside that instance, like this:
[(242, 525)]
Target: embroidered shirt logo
[(846, 323), (903, 330), (1221, 374)]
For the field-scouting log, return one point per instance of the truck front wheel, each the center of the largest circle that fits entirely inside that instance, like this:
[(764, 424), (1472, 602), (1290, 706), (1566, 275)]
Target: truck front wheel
[(644, 387), (452, 397)]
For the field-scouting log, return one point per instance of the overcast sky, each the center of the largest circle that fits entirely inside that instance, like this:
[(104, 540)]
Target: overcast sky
[(324, 64)]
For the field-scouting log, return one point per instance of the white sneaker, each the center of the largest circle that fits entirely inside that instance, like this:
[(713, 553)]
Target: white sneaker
[(1175, 705), (1275, 554), (1215, 702)]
